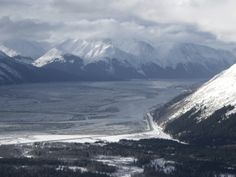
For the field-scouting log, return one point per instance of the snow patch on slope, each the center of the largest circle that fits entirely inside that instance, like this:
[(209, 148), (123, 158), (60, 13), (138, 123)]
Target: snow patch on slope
[(8, 51), (51, 56)]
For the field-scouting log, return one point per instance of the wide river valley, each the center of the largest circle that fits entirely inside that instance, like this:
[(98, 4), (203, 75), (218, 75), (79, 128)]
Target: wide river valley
[(106, 108)]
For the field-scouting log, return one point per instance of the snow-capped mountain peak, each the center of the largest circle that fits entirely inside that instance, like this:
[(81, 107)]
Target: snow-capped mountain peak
[(51, 56), (86, 48), (89, 50), (93, 50), (8, 51)]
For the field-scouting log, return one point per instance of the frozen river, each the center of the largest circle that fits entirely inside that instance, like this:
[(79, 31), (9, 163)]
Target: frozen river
[(101, 108)]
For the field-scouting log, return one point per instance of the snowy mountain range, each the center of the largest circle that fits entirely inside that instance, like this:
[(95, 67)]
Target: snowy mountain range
[(145, 60), (100, 50), (110, 59), (208, 112), (139, 52)]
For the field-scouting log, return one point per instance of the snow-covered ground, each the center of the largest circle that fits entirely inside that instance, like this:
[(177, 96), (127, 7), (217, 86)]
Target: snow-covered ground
[(125, 165), (163, 165), (73, 168), (153, 131)]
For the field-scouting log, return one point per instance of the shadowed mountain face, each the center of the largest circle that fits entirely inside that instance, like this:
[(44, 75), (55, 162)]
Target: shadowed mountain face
[(114, 69), (12, 71)]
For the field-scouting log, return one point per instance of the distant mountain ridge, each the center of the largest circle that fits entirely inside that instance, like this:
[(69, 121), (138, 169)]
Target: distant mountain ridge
[(182, 60), (14, 72), (140, 52), (109, 59)]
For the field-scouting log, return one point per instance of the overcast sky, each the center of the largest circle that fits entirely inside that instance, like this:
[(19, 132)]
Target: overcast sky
[(155, 20)]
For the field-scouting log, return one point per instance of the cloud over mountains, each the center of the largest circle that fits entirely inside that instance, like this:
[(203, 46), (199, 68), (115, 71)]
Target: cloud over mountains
[(161, 20)]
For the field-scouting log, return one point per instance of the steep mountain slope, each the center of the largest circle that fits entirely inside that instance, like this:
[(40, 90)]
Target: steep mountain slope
[(208, 112), (10, 70)]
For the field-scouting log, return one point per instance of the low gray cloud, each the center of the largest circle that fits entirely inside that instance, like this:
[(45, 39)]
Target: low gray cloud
[(160, 20), (25, 29), (12, 3)]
